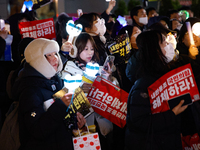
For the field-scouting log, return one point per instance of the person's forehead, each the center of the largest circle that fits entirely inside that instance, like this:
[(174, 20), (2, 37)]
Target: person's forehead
[(141, 11), (152, 12), (175, 14)]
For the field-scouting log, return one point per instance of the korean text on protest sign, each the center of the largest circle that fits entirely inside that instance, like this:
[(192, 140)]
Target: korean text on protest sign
[(80, 104), (109, 101), (38, 29), (120, 47), (173, 84)]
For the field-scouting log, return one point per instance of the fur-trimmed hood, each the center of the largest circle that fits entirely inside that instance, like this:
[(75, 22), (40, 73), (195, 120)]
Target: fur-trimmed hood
[(35, 55)]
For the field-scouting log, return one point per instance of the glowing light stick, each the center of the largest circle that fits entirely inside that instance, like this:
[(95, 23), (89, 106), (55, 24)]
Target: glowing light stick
[(92, 69), (89, 75), (73, 30), (28, 4), (196, 29), (190, 33), (184, 12), (2, 24), (122, 20), (72, 82)]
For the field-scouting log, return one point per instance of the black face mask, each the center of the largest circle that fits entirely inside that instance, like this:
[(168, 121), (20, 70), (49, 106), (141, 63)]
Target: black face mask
[(109, 26)]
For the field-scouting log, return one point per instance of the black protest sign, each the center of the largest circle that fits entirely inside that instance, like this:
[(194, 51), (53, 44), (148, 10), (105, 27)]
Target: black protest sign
[(120, 47)]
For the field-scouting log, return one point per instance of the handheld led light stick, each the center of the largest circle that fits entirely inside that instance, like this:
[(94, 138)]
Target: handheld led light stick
[(190, 32), (73, 30)]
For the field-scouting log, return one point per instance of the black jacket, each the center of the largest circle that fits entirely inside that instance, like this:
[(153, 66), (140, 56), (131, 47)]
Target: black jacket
[(145, 131), (159, 131), (40, 129)]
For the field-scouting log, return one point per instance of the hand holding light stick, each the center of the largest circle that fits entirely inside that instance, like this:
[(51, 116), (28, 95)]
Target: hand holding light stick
[(190, 33), (73, 30)]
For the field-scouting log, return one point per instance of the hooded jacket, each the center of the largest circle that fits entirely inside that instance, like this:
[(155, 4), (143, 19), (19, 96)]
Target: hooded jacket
[(41, 120), (161, 130), (40, 129)]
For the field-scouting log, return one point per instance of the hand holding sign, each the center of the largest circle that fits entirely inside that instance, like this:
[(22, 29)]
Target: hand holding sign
[(179, 108), (67, 98), (81, 120)]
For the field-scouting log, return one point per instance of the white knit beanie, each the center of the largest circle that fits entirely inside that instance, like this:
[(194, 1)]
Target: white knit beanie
[(35, 55)]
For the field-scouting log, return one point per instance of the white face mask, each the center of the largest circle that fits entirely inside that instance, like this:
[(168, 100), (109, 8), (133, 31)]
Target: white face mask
[(143, 20), (101, 28), (179, 27), (169, 52)]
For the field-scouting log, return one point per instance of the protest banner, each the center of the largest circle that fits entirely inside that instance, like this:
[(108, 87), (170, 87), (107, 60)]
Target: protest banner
[(38, 29), (120, 47), (179, 82), (191, 142), (109, 101)]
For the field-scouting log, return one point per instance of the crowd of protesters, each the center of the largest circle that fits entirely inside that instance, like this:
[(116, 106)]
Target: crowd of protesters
[(38, 67)]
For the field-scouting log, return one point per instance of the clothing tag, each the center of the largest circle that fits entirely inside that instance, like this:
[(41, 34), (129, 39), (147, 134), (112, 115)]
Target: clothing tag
[(53, 87)]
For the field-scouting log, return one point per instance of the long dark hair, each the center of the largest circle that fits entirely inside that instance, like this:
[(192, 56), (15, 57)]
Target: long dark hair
[(150, 54), (81, 42)]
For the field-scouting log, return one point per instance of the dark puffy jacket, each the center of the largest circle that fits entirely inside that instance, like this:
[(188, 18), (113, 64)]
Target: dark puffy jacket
[(159, 131), (145, 131), (40, 129), (132, 67)]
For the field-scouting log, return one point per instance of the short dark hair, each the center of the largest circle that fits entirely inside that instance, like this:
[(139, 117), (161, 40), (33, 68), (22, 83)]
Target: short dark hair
[(134, 11), (150, 9), (185, 8), (171, 11), (81, 42)]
